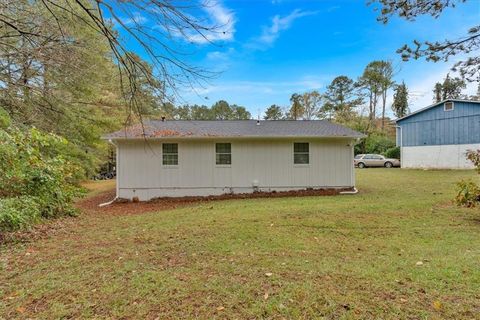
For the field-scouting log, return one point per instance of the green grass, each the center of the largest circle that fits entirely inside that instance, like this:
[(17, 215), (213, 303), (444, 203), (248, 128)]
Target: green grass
[(343, 257)]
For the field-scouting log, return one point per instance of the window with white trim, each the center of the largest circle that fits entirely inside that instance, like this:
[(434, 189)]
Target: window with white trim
[(170, 154), (223, 153), (448, 106), (301, 154)]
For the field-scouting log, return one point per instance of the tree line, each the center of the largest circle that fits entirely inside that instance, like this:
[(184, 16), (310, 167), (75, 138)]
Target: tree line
[(360, 104), (340, 102), (220, 110), (343, 99)]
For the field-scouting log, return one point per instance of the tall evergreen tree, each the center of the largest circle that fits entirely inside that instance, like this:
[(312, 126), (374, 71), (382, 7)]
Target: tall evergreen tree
[(437, 92), (273, 112), (70, 88), (450, 88), (201, 113), (240, 113), (386, 71), (371, 82), (222, 111), (296, 110), (400, 100), (341, 99), (47, 30)]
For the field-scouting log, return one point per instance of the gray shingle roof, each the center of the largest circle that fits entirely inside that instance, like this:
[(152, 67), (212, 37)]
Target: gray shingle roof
[(235, 128)]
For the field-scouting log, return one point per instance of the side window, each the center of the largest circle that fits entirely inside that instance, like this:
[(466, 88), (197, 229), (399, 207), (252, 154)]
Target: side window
[(358, 156), (448, 106), (170, 154), (223, 153), (301, 153)]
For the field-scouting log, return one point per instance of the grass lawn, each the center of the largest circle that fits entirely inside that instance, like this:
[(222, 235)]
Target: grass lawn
[(398, 249)]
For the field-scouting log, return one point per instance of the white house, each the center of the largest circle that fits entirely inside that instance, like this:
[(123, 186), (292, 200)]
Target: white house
[(169, 158), (439, 135)]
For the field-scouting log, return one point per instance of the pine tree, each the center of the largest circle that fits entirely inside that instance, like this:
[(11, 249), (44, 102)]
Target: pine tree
[(451, 88), (273, 112), (297, 109), (341, 98), (400, 100)]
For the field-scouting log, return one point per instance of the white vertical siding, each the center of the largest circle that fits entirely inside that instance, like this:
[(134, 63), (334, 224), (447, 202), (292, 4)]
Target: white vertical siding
[(270, 162), (438, 157)]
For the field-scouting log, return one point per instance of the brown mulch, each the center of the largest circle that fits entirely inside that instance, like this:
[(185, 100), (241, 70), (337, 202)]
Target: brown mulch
[(121, 206)]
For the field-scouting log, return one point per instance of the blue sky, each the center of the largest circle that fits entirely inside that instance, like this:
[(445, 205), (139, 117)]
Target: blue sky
[(273, 48)]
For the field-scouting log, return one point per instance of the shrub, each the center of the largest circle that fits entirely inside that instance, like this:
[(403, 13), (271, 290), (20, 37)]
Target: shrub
[(375, 143), (392, 153), (35, 179), (20, 212), (468, 194), (474, 157), (378, 143)]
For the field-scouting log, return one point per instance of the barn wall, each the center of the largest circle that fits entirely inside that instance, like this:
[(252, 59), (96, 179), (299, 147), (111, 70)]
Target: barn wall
[(267, 163), (437, 157), (438, 127)]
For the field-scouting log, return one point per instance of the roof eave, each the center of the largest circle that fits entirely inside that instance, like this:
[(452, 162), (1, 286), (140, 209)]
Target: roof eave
[(229, 137), (432, 106)]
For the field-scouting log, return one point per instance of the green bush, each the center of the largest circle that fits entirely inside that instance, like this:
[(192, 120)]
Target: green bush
[(468, 194), (392, 153), (20, 212), (35, 179), (474, 157), (375, 143)]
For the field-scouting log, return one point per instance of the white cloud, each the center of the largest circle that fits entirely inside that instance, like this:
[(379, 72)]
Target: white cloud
[(220, 55), (220, 19), (135, 19), (279, 23)]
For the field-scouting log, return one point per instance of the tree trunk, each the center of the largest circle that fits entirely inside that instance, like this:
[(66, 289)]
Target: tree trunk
[(384, 102), (370, 107)]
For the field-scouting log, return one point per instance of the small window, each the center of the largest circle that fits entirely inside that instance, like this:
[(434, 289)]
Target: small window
[(223, 153), (448, 106), (300, 153), (170, 154), (358, 156)]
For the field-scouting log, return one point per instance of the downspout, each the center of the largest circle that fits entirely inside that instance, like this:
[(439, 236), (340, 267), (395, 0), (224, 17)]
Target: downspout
[(116, 181), (352, 145), (354, 191), (401, 143)]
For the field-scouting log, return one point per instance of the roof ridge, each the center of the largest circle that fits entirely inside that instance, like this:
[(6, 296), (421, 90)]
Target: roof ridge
[(434, 105)]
